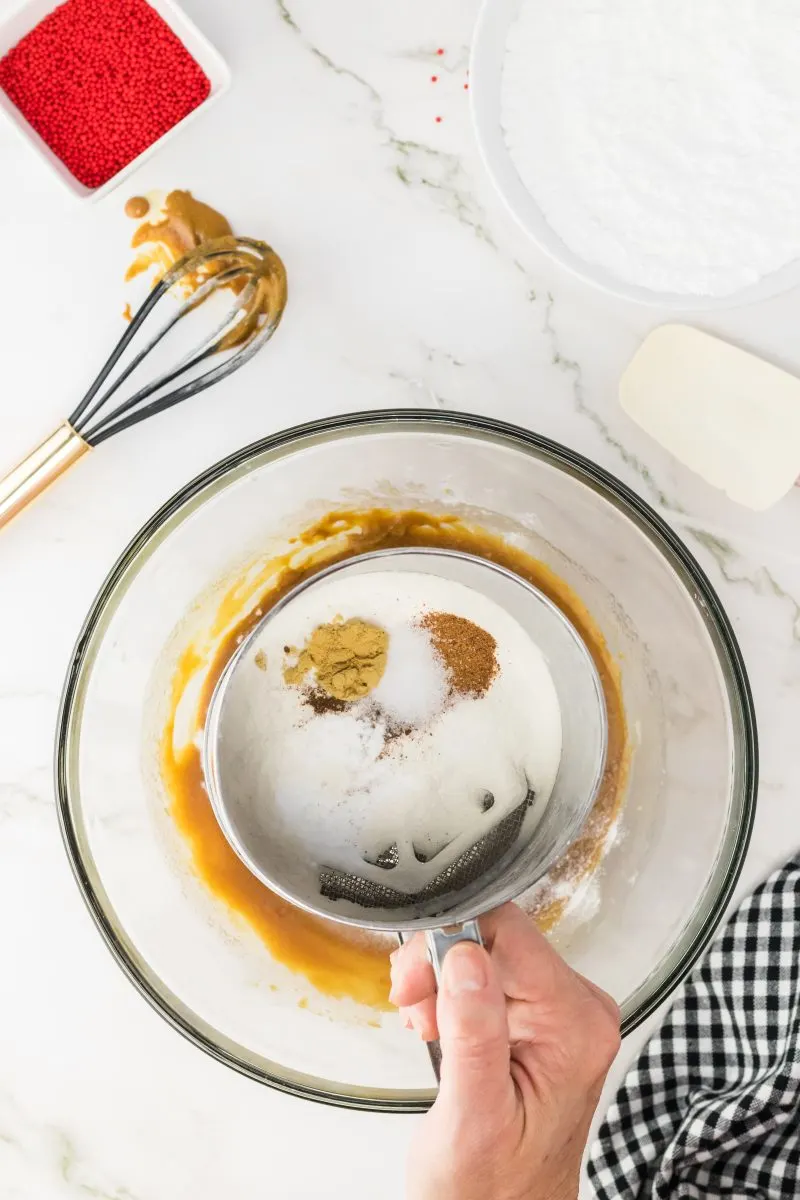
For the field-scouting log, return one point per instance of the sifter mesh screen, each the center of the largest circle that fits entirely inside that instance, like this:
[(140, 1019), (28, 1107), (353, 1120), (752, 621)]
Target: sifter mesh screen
[(470, 866)]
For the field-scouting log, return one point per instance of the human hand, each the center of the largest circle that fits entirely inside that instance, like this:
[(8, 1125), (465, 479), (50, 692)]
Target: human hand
[(526, 1046)]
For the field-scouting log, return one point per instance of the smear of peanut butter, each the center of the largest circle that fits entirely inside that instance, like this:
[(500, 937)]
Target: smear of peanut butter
[(183, 226), (137, 207)]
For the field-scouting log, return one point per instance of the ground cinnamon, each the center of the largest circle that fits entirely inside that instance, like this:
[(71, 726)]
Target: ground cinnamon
[(321, 702), (467, 651)]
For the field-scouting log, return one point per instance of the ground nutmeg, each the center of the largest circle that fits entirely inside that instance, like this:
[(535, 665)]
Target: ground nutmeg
[(100, 81), (468, 652)]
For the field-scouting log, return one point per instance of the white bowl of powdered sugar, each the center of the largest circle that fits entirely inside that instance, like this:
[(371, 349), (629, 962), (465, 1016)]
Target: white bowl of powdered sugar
[(651, 148)]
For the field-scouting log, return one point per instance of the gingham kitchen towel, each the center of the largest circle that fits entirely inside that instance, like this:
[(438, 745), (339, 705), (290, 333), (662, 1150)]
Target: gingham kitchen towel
[(712, 1107)]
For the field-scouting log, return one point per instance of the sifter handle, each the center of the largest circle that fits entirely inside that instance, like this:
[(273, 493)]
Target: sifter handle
[(439, 942), (41, 467)]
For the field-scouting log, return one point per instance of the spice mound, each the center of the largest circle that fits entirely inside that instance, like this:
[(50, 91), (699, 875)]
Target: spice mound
[(100, 81), (468, 652), (348, 658)]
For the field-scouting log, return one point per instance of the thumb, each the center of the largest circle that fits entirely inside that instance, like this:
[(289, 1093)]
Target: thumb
[(473, 1030)]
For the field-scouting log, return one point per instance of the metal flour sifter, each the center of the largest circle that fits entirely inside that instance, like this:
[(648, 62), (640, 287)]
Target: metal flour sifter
[(514, 851)]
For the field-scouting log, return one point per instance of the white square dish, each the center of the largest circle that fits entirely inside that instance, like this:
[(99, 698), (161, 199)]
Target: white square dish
[(29, 15)]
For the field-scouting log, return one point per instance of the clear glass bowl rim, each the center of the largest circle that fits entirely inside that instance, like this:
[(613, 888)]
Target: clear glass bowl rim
[(737, 838)]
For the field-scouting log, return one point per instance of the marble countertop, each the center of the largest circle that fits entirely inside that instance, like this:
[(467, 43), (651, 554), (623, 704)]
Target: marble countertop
[(410, 286)]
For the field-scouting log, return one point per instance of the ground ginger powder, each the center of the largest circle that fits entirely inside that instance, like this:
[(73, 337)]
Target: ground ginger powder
[(348, 658)]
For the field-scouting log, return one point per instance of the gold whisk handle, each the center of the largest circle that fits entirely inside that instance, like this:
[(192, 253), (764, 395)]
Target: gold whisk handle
[(36, 472)]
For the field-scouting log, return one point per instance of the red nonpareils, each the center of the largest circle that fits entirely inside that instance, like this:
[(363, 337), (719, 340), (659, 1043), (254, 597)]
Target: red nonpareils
[(100, 81)]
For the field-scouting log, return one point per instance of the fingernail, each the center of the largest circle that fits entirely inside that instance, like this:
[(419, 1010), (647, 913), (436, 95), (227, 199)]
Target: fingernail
[(394, 954), (465, 970)]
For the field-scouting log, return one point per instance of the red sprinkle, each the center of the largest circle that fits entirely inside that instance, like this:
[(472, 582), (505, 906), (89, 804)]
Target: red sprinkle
[(440, 51), (100, 81), (438, 119), (434, 78)]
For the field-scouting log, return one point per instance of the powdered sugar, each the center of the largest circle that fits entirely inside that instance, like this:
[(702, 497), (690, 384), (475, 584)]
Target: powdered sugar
[(660, 140), (414, 685)]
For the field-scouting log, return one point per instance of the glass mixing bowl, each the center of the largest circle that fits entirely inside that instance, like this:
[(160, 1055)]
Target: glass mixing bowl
[(686, 821)]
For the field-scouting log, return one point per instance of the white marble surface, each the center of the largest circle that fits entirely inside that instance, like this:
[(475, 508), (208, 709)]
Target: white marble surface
[(409, 286)]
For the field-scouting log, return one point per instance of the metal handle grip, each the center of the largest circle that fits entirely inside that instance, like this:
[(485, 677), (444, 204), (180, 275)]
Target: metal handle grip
[(439, 942), (36, 472)]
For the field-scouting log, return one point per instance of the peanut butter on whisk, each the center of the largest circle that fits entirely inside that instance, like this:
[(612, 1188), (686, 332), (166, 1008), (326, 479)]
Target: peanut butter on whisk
[(179, 226)]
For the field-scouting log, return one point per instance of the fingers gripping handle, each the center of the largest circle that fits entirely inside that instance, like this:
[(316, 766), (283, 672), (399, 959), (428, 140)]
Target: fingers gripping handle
[(439, 942)]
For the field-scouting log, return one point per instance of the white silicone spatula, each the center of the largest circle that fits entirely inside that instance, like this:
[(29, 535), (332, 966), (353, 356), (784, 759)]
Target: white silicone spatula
[(724, 413)]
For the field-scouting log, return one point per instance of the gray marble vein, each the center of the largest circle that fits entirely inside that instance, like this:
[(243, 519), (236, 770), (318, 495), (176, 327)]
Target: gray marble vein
[(415, 163)]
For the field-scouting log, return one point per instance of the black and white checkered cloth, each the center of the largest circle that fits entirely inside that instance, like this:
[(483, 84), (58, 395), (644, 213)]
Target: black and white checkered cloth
[(712, 1107)]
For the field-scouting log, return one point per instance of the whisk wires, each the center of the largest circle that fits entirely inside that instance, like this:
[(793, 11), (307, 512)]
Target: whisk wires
[(256, 279)]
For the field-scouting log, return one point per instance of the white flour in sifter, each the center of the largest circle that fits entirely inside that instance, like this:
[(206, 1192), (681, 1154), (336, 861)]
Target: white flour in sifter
[(660, 140), (411, 764)]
